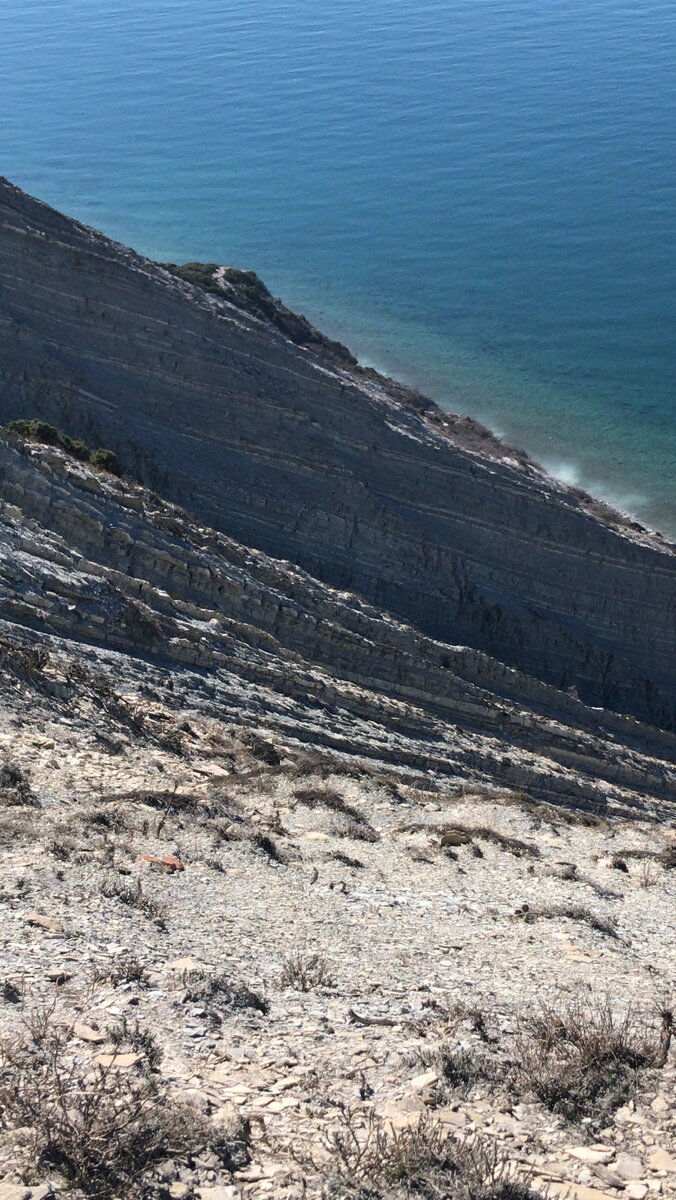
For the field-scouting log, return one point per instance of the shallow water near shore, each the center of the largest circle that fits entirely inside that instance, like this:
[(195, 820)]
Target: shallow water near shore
[(479, 198)]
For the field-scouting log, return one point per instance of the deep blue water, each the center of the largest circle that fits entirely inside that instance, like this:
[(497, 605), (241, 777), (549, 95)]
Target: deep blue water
[(478, 195)]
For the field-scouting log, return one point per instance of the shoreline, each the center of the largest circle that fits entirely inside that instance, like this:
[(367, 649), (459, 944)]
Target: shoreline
[(470, 432), (464, 390), (270, 435), (560, 463)]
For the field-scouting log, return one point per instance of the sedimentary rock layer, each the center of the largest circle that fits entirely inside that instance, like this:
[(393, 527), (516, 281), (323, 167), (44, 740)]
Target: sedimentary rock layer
[(128, 586), (332, 469)]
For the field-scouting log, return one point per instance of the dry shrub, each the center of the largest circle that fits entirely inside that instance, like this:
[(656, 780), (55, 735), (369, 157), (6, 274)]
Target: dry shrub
[(351, 823), (228, 821), (201, 986), (649, 874), (15, 790), (356, 831), (133, 896), (573, 912), (581, 1059), (127, 969), (101, 1128), (460, 1069), (10, 993), (260, 749), (327, 798), (26, 662), (165, 799), (261, 841), (373, 1162), (347, 860), (305, 972), (502, 840), (550, 812), (19, 827), (106, 820), (572, 875), (633, 852)]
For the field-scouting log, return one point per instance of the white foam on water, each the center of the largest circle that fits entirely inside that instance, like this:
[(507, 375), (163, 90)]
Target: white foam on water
[(565, 472)]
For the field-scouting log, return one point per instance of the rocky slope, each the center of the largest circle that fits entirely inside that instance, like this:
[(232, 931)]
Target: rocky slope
[(358, 482), (101, 562), (304, 973), (306, 889)]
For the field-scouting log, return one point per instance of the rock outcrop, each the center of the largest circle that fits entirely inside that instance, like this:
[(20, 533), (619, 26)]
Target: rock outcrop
[(358, 482), (129, 587), (322, 870)]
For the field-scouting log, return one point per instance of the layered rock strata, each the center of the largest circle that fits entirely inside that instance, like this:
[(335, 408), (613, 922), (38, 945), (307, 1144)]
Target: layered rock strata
[(130, 588), (358, 482)]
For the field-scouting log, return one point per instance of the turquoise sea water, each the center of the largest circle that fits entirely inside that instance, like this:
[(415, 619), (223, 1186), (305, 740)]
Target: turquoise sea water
[(477, 195)]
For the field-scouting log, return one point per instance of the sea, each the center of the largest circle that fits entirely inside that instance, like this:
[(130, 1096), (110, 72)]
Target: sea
[(477, 196)]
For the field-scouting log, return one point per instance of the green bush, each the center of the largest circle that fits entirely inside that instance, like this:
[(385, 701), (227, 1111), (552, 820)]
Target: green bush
[(34, 430), (106, 460)]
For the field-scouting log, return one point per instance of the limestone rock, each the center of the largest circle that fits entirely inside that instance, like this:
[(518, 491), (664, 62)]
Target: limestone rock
[(119, 1062), (662, 1160), (628, 1167), (87, 1034), (41, 921), (592, 1154)]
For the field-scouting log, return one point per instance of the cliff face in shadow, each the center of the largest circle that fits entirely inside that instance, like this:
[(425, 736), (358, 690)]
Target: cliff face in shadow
[(351, 477)]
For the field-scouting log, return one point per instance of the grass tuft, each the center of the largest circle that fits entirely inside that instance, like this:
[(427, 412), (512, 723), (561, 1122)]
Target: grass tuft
[(305, 973)]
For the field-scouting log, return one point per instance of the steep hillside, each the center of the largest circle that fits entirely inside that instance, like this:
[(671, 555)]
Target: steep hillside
[(108, 567), (323, 871), (300, 903), (358, 482)]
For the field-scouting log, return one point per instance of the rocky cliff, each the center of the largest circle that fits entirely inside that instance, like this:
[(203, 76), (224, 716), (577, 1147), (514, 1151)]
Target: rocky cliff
[(131, 589), (292, 450), (323, 873), (298, 902)]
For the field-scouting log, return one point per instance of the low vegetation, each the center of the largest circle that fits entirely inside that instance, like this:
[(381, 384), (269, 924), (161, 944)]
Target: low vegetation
[(100, 1128), (464, 835), (133, 896), (364, 1159), (127, 969), (15, 790), (34, 430), (578, 1057), (349, 822), (581, 1059), (218, 987), (572, 912), (305, 972)]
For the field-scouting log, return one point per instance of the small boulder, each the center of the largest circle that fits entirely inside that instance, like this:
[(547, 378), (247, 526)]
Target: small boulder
[(86, 1033), (166, 862), (628, 1167), (41, 921), (662, 1160), (455, 837)]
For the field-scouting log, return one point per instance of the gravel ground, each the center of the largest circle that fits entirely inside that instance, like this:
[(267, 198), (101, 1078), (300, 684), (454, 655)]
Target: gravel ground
[(415, 916)]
